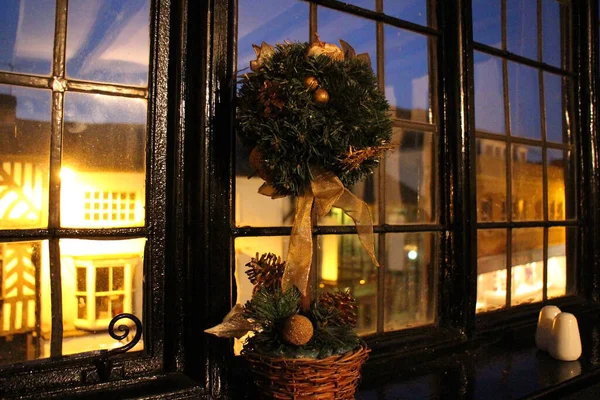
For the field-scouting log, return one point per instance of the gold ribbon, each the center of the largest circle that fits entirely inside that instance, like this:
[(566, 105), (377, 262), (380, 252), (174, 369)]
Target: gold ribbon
[(325, 191)]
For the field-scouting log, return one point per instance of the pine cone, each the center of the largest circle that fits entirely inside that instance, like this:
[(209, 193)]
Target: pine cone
[(265, 271), (345, 303)]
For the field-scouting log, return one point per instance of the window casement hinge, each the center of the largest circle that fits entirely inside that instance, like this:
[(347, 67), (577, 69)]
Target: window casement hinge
[(105, 369)]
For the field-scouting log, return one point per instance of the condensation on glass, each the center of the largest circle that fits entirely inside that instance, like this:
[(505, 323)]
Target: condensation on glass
[(99, 161)]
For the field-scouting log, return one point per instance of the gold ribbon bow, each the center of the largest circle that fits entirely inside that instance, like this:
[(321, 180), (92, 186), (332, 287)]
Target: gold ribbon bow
[(325, 191)]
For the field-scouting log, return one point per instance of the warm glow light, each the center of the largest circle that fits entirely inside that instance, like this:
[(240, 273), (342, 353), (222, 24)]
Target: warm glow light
[(67, 175), (329, 266), (412, 255), (362, 281)]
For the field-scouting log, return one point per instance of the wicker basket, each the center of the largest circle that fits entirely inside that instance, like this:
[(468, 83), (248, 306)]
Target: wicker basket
[(334, 377)]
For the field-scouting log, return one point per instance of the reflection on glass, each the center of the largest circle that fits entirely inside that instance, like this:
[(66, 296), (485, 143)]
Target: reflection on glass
[(410, 280), (491, 180), (557, 200), (491, 269), (358, 32), (109, 41), (551, 22), (285, 20), (527, 265), (556, 119), (24, 157), (410, 178), (524, 97), (27, 36), (527, 182), (486, 22), (343, 264), (24, 329), (559, 239), (409, 10), (407, 77), (113, 271), (489, 94), (521, 29), (103, 168)]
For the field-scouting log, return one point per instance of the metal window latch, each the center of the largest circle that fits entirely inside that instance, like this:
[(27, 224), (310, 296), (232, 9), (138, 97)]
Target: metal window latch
[(105, 370)]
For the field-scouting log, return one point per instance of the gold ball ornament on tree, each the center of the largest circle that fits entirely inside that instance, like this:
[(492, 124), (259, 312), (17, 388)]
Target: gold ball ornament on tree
[(321, 96), (311, 83), (297, 330)]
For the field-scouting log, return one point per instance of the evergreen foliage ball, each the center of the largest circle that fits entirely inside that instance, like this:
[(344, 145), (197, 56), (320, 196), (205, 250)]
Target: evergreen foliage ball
[(277, 114)]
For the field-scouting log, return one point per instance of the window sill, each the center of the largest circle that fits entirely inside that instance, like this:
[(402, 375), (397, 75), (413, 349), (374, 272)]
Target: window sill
[(496, 367)]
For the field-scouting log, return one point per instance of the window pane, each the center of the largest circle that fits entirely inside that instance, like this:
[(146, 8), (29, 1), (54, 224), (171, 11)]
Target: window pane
[(557, 128), (27, 36), (553, 46), (560, 276), (25, 325), (24, 157), (248, 247), (86, 315), (489, 94), (524, 90), (491, 269), (558, 179), (410, 280), (487, 22), (521, 30), (411, 178), (285, 20), (358, 32), (526, 182), (527, 265), (342, 264), (407, 77), (109, 41), (409, 10), (491, 180), (103, 169), (82, 279)]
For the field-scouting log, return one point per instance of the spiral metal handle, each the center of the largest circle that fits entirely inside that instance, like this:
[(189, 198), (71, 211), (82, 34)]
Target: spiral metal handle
[(125, 332)]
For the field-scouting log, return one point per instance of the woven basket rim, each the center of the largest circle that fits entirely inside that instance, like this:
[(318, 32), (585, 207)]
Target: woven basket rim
[(359, 350)]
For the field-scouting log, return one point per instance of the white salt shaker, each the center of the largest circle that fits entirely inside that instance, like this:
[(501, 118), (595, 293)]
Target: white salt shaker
[(544, 326), (565, 342)]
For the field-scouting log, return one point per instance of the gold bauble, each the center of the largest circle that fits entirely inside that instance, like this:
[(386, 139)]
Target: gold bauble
[(257, 164), (321, 96), (311, 83), (297, 330)]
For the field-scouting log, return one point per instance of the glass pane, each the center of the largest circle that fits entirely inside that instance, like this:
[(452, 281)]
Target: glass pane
[(407, 77), (521, 30), (27, 36), (109, 41), (367, 191), (82, 279), (245, 249), (101, 279), (408, 10), (342, 264), (557, 185), (104, 158), (358, 32), (556, 114), (527, 182), (86, 315), (527, 265), (410, 280), (487, 22), (411, 178), (285, 20), (491, 180), (491, 269), (524, 90), (118, 276), (552, 31), (560, 282), (489, 94), (24, 157), (25, 325)]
